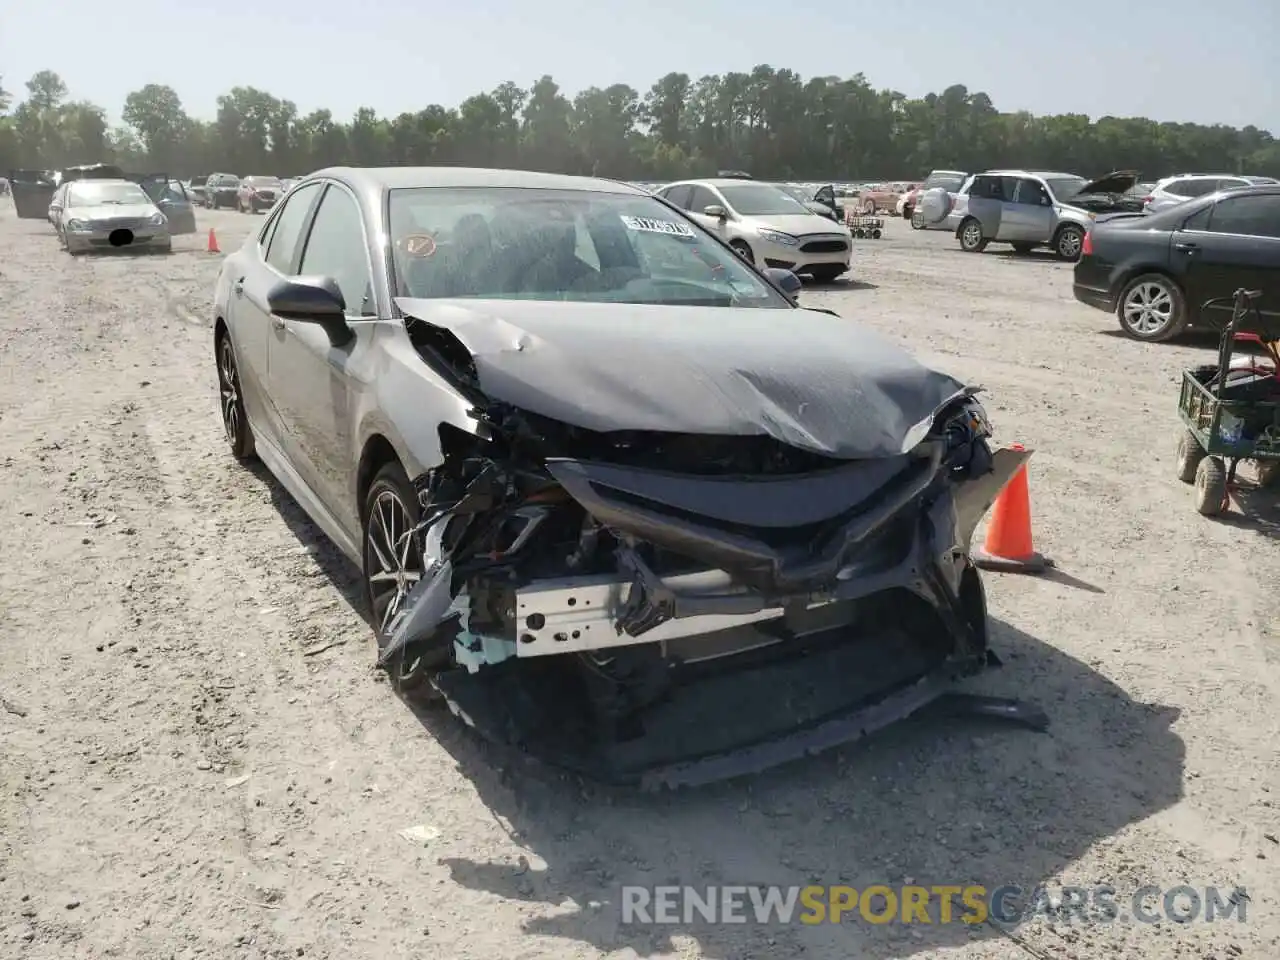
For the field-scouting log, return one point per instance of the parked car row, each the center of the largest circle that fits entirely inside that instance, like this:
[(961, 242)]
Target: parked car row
[(252, 194)]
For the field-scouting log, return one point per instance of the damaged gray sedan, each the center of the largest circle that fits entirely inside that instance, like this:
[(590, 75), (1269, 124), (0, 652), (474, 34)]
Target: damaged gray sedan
[(617, 497)]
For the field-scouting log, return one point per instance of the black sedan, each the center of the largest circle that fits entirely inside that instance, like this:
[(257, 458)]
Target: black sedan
[(1155, 271)]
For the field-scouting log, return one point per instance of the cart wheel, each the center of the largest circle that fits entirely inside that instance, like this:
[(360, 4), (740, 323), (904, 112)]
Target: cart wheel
[(1190, 453), (1268, 473), (875, 234), (1211, 487)]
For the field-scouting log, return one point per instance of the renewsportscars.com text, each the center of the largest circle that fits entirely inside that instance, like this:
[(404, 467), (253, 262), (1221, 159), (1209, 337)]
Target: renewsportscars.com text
[(939, 904)]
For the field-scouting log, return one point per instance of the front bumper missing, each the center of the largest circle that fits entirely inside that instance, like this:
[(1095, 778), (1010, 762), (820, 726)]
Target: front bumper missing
[(875, 625)]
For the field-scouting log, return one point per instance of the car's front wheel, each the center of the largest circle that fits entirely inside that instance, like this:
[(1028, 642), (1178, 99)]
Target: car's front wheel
[(1069, 243), (1151, 308), (231, 401), (393, 565)]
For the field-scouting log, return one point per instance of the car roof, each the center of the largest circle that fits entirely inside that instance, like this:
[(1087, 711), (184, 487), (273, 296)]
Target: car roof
[(724, 182), (1042, 174), (398, 178)]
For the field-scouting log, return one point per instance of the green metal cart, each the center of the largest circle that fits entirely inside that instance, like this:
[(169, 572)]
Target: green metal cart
[(1231, 414)]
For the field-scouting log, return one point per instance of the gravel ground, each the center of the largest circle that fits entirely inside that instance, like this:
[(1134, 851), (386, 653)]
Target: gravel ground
[(185, 773)]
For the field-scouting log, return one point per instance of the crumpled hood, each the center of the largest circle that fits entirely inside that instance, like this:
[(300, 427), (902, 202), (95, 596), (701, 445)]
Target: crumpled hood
[(808, 379)]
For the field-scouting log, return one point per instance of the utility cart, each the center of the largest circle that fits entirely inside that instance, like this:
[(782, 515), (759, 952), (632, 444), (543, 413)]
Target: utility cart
[(865, 227), (1231, 410)]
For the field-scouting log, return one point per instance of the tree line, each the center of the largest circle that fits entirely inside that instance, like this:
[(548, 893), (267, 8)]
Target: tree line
[(772, 122)]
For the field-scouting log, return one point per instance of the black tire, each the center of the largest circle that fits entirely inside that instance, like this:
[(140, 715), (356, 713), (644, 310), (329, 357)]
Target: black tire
[(1151, 308), (1068, 242), (743, 250), (1023, 248), (875, 234), (917, 219), (235, 423), (1211, 487), (1190, 453), (971, 238), (391, 504)]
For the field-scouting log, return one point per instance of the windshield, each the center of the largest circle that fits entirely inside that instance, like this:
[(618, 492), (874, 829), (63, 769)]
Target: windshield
[(90, 193), (1064, 188), (951, 182), (761, 200), (508, 243)]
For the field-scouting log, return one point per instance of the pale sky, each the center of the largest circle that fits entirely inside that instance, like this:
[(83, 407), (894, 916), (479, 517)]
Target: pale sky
[(1181, 60)]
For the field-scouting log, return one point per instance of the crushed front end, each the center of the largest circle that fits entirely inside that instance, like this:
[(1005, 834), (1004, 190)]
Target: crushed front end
[(672, 609)]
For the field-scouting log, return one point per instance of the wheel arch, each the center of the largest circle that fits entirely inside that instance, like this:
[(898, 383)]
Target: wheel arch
[(963, 220), (1130, 274), (377, 452)]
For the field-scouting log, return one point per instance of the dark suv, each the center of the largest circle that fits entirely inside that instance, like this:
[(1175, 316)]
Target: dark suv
[(221, 190)]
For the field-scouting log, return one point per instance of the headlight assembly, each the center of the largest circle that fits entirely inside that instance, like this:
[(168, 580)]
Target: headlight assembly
[(775, 236)]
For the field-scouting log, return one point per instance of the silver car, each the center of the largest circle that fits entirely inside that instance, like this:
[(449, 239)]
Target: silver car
[(597, 471), (1172, 191), (766, 225), (1030, 209), (105, 215)]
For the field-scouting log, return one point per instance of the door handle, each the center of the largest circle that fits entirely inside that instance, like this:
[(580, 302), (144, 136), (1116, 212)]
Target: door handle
[(1186, 246)]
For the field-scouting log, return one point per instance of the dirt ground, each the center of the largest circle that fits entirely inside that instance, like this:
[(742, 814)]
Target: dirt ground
[(188, 768)]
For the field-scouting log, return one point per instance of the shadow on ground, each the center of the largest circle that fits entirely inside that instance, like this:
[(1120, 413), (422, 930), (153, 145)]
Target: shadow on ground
[(925, 802)]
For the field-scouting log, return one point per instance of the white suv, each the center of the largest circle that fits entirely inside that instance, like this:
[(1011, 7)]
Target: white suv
[(1172, 191)]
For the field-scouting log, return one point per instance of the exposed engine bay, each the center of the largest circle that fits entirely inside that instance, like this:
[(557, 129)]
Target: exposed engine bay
[(671, 608)]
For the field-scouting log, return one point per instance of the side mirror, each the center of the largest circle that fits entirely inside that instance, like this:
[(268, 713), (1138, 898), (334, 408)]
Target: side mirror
[(715, 210), (315, 300), (785, 279)]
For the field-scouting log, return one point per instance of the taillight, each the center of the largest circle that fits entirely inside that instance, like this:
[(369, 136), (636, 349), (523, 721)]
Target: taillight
[(1086, 249)]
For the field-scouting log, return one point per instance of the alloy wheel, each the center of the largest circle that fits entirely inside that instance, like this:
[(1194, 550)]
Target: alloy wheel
[(1070, 243), (972, 235), (393, 560), (229, 391), (1148, 308)]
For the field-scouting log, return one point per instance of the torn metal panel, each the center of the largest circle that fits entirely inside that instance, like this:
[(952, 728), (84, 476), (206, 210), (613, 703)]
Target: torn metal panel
[(834, 387)]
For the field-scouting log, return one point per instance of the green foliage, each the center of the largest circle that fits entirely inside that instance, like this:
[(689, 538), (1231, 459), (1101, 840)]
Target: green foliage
[(771, 122)]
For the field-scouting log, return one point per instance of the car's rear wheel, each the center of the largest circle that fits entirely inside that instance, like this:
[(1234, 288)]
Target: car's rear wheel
[(392, 567), (1151, 308), (231, 401), (917, 219), (1069, 242), (869, 208), (971, 238), (743, 249)]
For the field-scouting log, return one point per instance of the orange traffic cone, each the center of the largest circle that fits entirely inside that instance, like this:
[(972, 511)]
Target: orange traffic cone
[(213, 242), (1008, 546)]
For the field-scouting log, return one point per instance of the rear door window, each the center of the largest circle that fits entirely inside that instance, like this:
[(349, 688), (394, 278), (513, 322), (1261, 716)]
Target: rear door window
[(678, 195), (1250, 216)]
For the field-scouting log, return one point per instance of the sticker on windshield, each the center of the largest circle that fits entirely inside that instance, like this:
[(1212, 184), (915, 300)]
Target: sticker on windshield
[(420, 245), (649, 225)]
